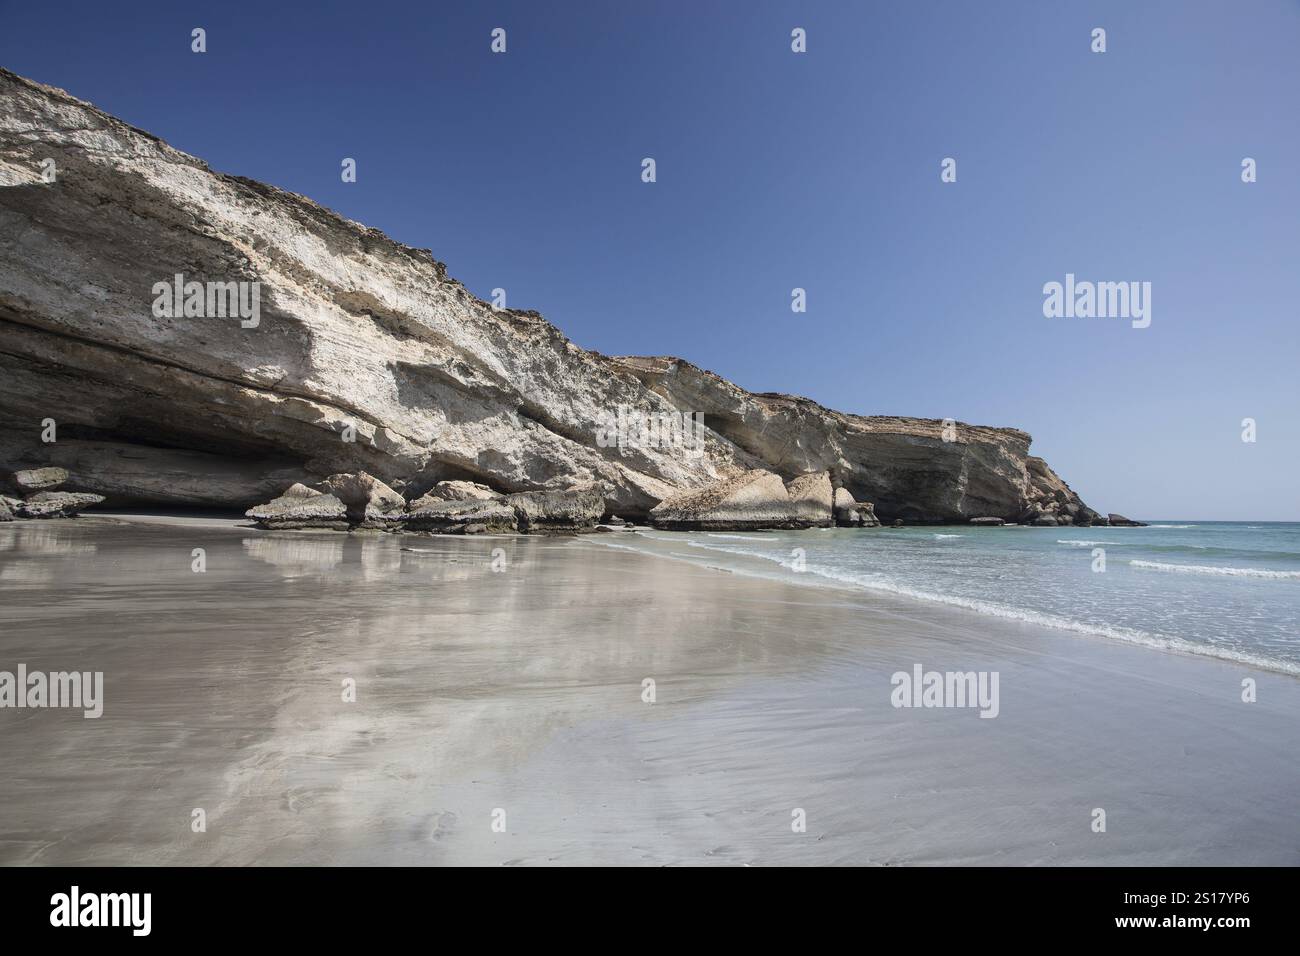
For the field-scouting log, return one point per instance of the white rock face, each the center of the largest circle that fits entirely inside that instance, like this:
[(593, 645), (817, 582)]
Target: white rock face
[(358, 336), (916, 469), (812, 497), (463, 491), (369, 502), (40, 479), (55, 504), (362, 354), (751, 500), (295, 510)]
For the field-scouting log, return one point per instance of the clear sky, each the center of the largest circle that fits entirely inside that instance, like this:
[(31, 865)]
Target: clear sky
[(820, 170)]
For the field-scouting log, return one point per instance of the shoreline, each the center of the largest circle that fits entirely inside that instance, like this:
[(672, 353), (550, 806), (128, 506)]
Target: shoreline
[(523, 691), (1121, 635), (616, 538)]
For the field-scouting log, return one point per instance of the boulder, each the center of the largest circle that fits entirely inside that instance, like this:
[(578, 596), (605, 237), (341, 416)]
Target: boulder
[(424, 501), (557, 512), (460, 517), (40, 479), (462, 491), (6, 510), (812, 499), (1119, 521), (370, 503), (1045, 521), (751, 500), (56, 504), (299, 490), (988, 521), (845, 509), (866, 512), (301, 507)]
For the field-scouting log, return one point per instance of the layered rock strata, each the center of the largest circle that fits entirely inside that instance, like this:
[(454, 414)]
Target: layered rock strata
[(128, 282)]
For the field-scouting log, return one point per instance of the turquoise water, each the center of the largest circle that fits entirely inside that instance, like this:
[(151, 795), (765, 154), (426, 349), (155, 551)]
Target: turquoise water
[(1229, 590)]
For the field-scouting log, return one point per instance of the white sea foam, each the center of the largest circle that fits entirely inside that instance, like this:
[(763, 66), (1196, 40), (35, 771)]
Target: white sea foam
[(1171, 526), (837, 577), (945, 537), (737, 537), (1210, 569)]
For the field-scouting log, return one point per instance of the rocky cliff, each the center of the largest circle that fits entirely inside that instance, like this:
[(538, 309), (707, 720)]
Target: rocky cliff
[(362, 354)]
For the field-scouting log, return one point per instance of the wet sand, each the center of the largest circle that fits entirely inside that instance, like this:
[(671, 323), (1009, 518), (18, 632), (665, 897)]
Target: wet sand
[(520, 690)]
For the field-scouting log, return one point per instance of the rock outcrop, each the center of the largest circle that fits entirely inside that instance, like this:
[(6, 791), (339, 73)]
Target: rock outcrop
[(866, 511), (854, 514), (463, 491), (557, 512), (812, 499), (55, 504), (351, 501), (370, 503), (1119, 521), (40, 499), (464, 516), (302, 507), (364, 355), (845, 509), (917, 470), (751, 500), (40, 479)]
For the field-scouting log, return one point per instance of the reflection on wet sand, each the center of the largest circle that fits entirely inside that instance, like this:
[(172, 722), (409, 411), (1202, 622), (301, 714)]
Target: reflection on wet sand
[(31, 538), (27, 546), (224, 688), (522, 689)]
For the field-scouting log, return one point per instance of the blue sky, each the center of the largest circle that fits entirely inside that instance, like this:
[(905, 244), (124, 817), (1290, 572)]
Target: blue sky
[(821, 171)]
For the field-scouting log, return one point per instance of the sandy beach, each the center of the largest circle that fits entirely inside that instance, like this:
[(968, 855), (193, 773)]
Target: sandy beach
[(520, 690)]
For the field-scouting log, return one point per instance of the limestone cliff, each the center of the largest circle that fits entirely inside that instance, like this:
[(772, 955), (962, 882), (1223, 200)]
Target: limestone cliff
[(365, 356)]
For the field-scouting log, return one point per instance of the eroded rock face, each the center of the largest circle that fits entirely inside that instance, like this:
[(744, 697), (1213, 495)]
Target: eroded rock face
[(40, 479), (845, 509), (866, 512), (812, 499), (302, 507), (557, 512), (357, 335), (918, 470), (365, 356), (471, 516), (56, 504), (463, 491), (370, 503), (751, 500), (132, 474)]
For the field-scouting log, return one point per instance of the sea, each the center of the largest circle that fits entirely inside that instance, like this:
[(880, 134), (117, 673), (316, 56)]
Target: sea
[(1229, 590)]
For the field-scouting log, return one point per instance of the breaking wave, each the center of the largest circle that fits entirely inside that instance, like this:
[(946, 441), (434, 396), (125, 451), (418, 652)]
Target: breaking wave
[(835, 577), (1211, 569)]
